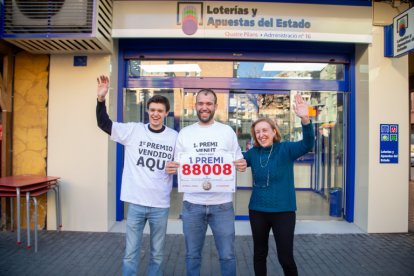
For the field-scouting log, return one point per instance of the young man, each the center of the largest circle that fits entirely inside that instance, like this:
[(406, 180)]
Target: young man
[(208, 208), (145, 184)]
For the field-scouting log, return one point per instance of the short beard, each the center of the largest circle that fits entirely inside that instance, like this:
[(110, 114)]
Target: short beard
[(207, 120)]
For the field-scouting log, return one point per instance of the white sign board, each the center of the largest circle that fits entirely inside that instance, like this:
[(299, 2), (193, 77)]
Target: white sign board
[(206, 173), (403, 28), (242, 20)]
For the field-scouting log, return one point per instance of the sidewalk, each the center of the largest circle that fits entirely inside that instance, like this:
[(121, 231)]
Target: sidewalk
[(85, 253)]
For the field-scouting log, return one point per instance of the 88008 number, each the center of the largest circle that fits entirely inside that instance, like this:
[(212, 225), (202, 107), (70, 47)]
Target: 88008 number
[(206, 169)]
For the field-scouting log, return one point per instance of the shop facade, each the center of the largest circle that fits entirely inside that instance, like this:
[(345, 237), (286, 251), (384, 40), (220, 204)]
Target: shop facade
[(256, 56)]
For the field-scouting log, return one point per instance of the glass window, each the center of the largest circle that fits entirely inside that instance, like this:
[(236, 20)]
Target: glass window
[(316, 173), (236, 69)]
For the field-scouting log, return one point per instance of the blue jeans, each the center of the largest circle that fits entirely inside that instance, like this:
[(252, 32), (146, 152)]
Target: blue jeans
[(137, 217), (221, 220)]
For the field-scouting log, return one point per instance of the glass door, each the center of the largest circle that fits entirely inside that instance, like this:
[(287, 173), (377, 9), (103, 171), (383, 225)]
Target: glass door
[(319, 175)]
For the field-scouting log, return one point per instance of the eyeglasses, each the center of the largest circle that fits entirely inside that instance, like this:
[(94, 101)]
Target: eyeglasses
[(263, 185)]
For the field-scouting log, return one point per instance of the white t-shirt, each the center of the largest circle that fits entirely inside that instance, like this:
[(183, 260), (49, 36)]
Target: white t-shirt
[(144, 180), (217, 136)]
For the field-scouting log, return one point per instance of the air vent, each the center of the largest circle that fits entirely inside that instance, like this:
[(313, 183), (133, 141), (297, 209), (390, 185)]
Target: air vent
[(59, 26)]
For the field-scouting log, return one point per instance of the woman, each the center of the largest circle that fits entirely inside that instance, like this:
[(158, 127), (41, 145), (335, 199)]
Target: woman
[(273, 201)]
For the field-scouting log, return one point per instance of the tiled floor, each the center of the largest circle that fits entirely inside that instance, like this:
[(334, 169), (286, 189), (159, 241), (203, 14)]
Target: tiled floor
[(243, 227), (85, 253), (312, 215)]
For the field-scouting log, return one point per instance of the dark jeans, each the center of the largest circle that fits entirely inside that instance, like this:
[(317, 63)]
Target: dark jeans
[(283, 227)]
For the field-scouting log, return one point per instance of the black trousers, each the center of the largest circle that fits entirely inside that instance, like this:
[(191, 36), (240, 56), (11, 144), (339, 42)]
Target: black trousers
[(283, 228)]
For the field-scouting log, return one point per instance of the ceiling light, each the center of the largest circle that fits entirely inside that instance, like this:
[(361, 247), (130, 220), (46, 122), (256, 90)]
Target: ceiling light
[(294, 66), (163, 68)]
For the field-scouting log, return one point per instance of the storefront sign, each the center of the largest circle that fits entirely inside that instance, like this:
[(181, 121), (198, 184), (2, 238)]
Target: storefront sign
[(403, 32), (242, 20), (212, 172), (389, 143)]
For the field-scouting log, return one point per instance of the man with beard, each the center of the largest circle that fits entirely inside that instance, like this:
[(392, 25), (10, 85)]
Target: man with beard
[(208, 208)]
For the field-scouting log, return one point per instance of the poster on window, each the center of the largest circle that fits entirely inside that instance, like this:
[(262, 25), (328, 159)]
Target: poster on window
[(199, 172), (389, 143)]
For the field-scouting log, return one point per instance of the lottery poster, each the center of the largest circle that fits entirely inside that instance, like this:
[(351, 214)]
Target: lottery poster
[(206, 173)]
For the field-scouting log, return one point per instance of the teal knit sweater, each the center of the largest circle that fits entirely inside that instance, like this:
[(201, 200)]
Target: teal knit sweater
[(273, 184)]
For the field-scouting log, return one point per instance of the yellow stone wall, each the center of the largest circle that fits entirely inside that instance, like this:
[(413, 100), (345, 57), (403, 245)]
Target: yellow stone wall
[(30, 123)]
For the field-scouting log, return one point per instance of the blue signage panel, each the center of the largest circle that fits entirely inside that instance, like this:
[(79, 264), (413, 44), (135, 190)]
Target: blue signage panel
[(403, 32), (389, 143)]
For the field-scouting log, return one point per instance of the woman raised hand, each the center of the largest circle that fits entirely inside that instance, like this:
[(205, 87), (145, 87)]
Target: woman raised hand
[(301, 109)]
